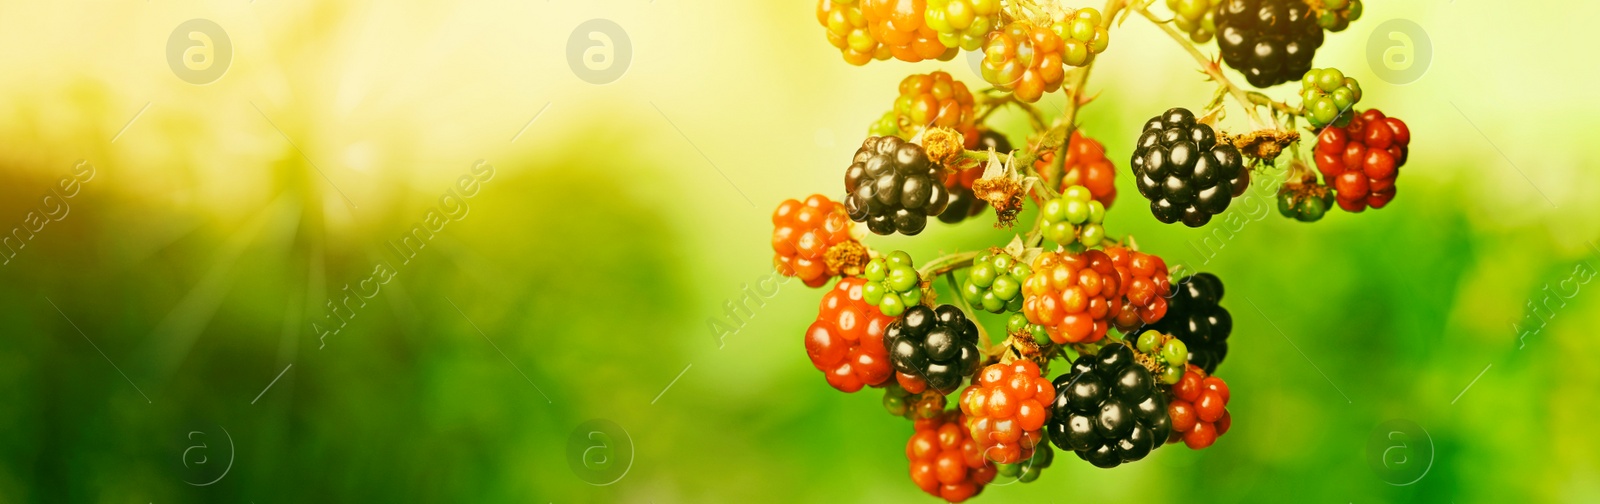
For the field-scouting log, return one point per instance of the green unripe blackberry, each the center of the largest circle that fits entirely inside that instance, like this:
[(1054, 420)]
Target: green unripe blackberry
[(1327, 96), (893, 284), (1075, 217), (994, 282)]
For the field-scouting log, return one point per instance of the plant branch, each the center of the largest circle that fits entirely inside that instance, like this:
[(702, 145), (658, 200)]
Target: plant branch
[(947, 263), (1211, 69)]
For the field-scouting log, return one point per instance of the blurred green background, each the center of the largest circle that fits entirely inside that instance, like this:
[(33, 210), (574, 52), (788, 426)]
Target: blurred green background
[(159, 335)]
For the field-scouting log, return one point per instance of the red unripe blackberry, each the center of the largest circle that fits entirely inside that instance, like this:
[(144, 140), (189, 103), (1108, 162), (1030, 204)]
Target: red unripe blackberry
[(1006, 408), (1362, 159), (1199, 409), (846, 341)]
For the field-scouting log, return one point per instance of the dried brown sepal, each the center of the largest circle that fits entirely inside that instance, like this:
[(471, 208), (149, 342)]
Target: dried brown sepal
[(1263, 145), (944, 146), (849, 258), (1020, 346), (1004, 195)]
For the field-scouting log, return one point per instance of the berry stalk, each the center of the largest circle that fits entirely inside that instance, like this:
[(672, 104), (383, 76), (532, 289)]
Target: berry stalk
[(1075, 97), (1211, 69)]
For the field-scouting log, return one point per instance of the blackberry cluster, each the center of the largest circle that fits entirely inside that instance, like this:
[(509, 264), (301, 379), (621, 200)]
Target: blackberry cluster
[(1194, 317), (802, 235), (962, 23), (1108, 409), (1184, 172), (935, 100), (1269, 41), (893, 187), (892, 283), (1074, 296), (1145, 278), (934, 348), (847, 31), (901, 26)]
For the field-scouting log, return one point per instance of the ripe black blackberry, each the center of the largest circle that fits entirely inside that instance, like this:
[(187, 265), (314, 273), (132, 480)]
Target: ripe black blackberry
[(1269, 41), (938, 345), (893, 186), (1185, 173), (1195, 317), (1109, 409)]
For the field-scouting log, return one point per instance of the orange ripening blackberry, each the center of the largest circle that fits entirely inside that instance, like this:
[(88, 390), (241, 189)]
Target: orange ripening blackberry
[(1006, 408), (901, 26), (1027, 58), (945, 461), (847, 31), (936, 100), (1074, 296), (803, 233)]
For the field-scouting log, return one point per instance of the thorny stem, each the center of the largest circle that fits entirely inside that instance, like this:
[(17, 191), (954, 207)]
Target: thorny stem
[(1259, 98), (1211, 69), (1075, 97)]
